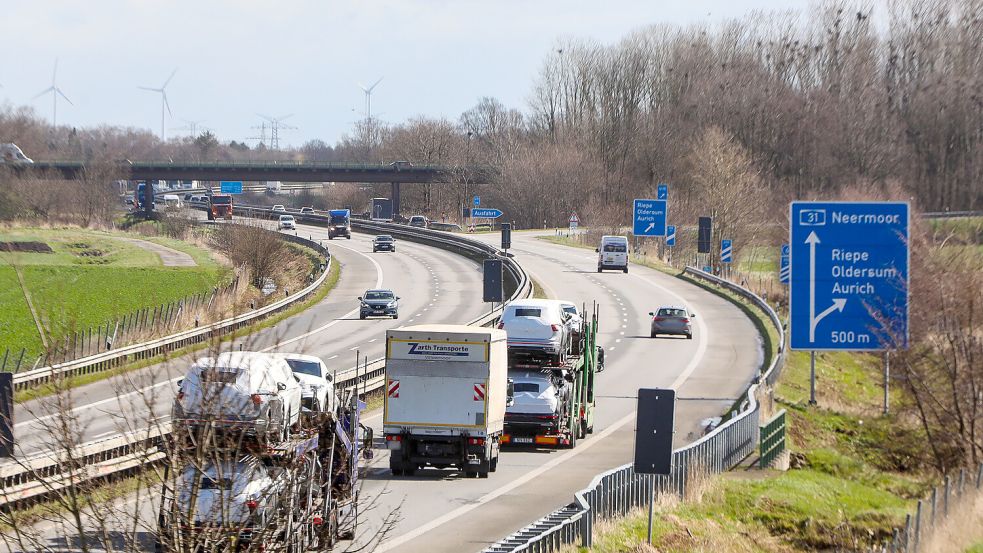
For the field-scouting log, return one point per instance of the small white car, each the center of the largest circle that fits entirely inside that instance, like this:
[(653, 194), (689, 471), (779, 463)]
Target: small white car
[(278, 208), (241, 494), (575, 324), (11, 154), (316, 383), (307, 210), (287, 222), (253, 393), (537, 328)]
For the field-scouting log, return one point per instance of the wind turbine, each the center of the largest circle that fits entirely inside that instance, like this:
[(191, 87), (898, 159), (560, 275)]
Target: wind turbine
[(163, 100), (55, 93), (368, 98)]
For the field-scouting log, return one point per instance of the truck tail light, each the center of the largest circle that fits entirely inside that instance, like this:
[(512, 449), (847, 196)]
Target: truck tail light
[(501, 325), (251, 505), (317, 521), (394, 438), (555, 328), (552, 417), (180, 396), (476, 441), (257, 399)]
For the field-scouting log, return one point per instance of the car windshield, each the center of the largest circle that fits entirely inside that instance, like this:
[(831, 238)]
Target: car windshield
[(671, 312), (209, 483), (615, 248), (286, 218), (378, 295), (528, 312), (338, 219), (301, 366), (526, 387), (384, 238)]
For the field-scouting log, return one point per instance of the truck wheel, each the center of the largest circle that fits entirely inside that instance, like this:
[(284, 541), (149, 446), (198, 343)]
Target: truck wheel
[(626, 270), (599, 269), (573, 439), (470, 474), (396, 471), (361, 316), (483, 474), (493, 466), (409, 470), (349, 237), (582, 430), (652, 335)]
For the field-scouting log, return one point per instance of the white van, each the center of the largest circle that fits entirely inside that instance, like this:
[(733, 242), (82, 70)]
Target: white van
[(613, 253)]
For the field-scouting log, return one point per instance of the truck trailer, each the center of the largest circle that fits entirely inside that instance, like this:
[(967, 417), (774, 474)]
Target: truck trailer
[(225, 492), (446, 393), (566, 394)]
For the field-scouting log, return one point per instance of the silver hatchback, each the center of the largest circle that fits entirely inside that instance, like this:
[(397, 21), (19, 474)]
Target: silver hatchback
[(672, 319)]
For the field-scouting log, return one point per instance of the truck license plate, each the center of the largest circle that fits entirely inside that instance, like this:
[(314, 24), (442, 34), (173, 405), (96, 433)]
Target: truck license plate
[(522, 440)]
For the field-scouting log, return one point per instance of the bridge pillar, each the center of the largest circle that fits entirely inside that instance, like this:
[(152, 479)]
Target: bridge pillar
[(395, 198)]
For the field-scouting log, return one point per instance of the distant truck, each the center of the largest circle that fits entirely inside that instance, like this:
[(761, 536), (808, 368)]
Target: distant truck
[(446, 394), (273, 187), (382, 209), (340, 223), (12, 155), (144, 197), (220, 206)]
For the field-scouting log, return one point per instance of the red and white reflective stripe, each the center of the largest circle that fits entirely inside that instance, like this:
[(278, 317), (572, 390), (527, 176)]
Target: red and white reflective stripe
[(393, 388), (479, 391)]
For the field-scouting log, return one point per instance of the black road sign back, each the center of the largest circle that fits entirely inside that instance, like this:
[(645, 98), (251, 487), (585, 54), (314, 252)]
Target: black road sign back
[(506, 236), (705, 237), (6, 414), (653, 431), (493, 280)]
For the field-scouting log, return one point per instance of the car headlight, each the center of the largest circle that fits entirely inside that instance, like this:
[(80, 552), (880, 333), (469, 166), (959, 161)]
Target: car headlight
[(391, 304)]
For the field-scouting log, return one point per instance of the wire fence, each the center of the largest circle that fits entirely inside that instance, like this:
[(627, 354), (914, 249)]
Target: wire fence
[(934, 511), (134, 327)]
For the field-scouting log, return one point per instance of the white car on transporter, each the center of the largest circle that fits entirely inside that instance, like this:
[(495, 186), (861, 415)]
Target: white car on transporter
[(537, 328), (316, 383)]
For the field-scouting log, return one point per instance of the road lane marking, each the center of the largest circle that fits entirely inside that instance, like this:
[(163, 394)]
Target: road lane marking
[(332, 357), (460, 511)]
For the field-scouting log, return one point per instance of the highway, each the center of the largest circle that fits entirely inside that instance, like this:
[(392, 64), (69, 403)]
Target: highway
[(437, 510), (434, 286)]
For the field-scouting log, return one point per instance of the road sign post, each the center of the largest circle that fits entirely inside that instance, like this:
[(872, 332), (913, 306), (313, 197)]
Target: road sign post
[(506, 237), (670, 240), (650, 217), (848, 268), (574, 221), (784, 271), (6, 414), (654, 427), (492, 278)]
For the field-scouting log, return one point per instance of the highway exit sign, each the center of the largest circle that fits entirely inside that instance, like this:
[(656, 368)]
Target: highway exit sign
[(849, 275)]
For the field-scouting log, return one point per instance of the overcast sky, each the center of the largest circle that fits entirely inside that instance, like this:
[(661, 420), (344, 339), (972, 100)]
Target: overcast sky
[(236, 58)]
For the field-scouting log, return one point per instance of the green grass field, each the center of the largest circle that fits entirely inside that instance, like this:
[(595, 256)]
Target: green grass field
[(88, 279)]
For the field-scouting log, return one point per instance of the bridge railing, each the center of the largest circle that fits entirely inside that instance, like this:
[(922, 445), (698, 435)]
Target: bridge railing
[(26, 480), (619, 491)]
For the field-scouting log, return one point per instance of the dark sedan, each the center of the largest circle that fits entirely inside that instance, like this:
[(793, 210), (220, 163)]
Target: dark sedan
[(379, 303), (384, 243)]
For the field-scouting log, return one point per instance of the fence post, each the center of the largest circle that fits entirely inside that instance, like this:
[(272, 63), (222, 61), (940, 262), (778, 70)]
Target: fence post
[(945, 497), (5, 355), (962, 481), (918, 525), (907, 533), (979, 471), (935, 505), (24, 350)]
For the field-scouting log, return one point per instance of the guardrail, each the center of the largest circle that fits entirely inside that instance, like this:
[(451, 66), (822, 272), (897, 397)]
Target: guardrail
[(114, 358), (44, 474), (620, 490)]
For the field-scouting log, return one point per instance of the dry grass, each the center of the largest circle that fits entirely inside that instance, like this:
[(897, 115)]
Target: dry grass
[(962, 529)]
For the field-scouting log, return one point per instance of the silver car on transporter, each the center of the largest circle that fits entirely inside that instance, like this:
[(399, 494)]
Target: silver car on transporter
[(672, 319)]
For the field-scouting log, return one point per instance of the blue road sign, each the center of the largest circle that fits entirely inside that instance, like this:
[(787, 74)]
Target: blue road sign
[(784, 272), (663, 192), (726, 251), (231, 187), (486, 213), (477, 201), (849, 275), (650, 218), (671, 235)]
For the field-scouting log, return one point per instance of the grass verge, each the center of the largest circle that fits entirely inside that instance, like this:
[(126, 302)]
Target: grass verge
[(330, 281)]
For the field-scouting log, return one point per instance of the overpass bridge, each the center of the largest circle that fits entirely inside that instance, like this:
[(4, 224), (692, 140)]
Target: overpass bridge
[(395, 173)]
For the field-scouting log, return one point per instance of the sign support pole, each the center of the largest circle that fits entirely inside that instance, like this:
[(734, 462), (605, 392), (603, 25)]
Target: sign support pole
[(812, 377), (887, 379), (651, 504)]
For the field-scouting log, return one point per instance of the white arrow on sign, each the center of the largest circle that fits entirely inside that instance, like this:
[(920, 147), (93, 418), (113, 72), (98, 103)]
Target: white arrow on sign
[(650, 227), (838, 304)]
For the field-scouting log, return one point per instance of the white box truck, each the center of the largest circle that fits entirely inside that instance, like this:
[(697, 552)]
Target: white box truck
[(446, 393)]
